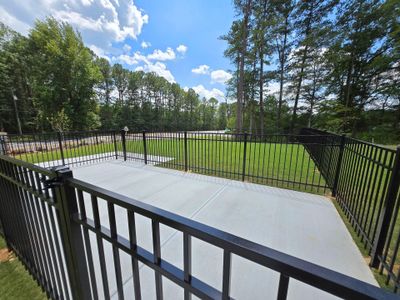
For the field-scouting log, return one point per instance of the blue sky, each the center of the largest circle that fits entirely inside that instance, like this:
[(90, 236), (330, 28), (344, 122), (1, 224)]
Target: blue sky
[(177, 39)]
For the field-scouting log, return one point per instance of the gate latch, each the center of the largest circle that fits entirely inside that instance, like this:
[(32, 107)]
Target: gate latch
[(50, 183)]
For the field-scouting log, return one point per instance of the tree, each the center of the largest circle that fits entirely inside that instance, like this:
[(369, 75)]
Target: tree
[(64, 75), (310, 32)]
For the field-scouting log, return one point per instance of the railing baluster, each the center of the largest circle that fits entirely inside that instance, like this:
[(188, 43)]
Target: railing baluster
[(100, 247), (88, 247), (133, 245), (226, 275), (283, 287), (187, 261), (157, 257), (117, 262)]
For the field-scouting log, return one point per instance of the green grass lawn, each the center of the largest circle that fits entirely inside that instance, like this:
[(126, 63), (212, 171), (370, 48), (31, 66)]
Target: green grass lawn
[(15, 282)]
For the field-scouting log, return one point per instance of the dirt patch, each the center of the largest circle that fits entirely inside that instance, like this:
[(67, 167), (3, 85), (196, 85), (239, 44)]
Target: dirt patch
[(5, 255)]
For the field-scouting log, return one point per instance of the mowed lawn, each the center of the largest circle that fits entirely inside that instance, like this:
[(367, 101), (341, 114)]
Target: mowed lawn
[(15, 281), (280, 165)]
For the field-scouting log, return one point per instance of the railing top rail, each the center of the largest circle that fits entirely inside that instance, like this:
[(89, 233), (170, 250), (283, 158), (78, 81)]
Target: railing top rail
[(28, 165), (320, 277)]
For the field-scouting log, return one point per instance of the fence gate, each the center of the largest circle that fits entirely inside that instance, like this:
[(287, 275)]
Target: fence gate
[(37, 227)]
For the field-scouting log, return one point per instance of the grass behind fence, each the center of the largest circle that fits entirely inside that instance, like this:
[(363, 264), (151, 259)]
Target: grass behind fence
[(275, 164)]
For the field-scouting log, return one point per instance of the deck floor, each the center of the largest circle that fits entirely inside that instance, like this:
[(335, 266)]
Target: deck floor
[(304, 225)]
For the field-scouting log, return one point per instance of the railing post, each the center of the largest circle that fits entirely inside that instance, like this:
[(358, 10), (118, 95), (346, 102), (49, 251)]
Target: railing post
[(71, 236), (144, 147), (244, 156), (123, 140), (185, 148), (59, 137), (386, 212), (114, 136), (339, 165)]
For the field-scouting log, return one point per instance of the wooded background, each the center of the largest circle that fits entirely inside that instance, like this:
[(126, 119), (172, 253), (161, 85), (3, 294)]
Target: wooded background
[(330, 64)]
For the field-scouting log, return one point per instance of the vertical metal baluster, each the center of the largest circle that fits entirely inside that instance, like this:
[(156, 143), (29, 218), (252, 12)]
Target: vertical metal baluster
[(135, 263), (226, 275), (117, 261), (187, 262), (100, 246), (89, 255), (283, 287), (157, 257)]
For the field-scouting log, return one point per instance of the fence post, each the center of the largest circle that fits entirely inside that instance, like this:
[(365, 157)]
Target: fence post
[(123, 140), (339, 165), (244, 155), (71, 236), (59, 137), (386, 212), (144, 147), (186, 155), (114, 136)]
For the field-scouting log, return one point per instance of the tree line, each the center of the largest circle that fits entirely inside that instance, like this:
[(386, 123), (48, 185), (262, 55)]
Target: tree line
[(332, 64), (50, 80)]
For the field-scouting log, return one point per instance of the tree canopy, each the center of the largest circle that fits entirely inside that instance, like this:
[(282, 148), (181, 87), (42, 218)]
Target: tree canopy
[(51, 81)]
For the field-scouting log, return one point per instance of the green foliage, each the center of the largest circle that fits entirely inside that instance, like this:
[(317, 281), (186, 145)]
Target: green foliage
[(334, 62), (62, 85), (63, 74)]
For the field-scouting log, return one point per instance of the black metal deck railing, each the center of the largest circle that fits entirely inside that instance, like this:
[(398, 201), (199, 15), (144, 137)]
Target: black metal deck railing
[(366, 185), (45, 222), (363, 177)]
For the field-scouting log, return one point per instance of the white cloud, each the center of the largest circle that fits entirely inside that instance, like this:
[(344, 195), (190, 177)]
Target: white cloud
[(145, 45), (100, 22), (99, 52), (134, 59), (126, 48), (13, 22), (160, 69), (273, 88), (214, 93), (220, 76), (181, 49), (202, 69), (157, 54)]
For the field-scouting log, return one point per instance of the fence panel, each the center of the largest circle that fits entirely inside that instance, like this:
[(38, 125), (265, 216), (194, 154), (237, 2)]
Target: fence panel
[(362, 187), (69, 148), (30, 216), (99, 210), (65, 231)]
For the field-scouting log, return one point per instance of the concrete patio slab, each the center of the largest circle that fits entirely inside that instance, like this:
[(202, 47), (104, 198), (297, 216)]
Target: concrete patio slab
[(300, 224)]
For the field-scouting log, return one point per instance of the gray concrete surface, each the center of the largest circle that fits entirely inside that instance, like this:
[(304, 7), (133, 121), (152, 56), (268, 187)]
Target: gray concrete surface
[(304, 225)]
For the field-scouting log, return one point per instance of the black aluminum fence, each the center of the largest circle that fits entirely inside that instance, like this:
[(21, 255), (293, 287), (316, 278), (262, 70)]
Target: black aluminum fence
[(366, 186), (68, 148), (58, 226), (364, 177), (277, 160)]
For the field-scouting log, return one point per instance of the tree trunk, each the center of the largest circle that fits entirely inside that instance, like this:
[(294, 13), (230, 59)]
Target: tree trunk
[(298, 88), (282, 61), (240, 100), (261, 86)]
